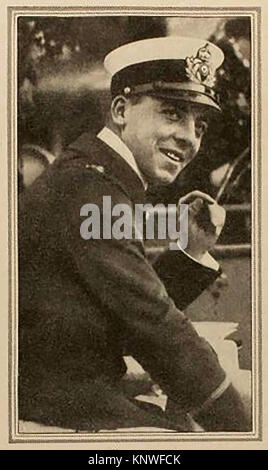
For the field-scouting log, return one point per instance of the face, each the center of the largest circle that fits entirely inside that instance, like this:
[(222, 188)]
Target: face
[(163, 135)]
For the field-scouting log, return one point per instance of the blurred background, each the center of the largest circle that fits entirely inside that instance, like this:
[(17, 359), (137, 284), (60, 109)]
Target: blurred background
[(63, 90)]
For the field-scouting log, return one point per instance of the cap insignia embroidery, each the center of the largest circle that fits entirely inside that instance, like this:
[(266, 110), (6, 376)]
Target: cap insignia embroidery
[(199, 68)]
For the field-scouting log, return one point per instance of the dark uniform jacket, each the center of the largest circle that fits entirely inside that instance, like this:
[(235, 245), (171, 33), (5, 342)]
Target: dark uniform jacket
[(84, 303)]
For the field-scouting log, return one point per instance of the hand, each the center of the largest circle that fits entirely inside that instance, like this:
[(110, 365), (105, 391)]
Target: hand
[(205, 222)]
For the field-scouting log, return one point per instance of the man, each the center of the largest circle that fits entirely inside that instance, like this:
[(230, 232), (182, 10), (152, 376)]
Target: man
[(86, 301)]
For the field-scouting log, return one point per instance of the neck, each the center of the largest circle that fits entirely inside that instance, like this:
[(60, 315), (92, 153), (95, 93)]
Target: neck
[(117, 130)]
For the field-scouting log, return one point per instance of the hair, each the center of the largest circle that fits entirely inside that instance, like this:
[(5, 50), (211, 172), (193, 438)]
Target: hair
[(135, 99)]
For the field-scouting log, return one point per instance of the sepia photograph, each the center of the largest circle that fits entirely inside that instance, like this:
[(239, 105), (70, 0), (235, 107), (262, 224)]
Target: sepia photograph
[(134, 194)]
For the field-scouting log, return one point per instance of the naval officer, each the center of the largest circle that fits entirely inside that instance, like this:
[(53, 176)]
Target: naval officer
[(84, 303)]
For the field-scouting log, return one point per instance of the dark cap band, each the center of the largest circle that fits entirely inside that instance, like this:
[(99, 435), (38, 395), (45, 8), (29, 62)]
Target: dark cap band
[(191, 92), (165, 78)]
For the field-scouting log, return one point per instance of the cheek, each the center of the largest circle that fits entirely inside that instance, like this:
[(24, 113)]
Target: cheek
[(143, 135), (147, 124), (152, 133), (146, 132)]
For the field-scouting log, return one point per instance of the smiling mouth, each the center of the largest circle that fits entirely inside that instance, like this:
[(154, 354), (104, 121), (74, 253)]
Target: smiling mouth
[(173, 155)]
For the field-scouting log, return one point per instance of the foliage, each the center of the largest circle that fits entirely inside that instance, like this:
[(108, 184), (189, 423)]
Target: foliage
[(78, 39)]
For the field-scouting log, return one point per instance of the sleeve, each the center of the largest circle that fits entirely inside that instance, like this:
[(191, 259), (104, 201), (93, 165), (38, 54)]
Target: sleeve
[(185, 278), (158, 335), (206, 260)]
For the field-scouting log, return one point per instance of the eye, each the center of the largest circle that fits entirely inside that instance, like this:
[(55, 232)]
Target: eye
[(173, 114), (201, 127)]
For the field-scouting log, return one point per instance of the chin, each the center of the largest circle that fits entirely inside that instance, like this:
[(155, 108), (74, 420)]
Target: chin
[(163, 178)]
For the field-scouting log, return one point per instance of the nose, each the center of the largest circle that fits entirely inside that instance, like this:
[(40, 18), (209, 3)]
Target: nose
[(185, 134)]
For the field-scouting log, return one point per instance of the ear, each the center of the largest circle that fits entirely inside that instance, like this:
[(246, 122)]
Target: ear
[(118, 110)]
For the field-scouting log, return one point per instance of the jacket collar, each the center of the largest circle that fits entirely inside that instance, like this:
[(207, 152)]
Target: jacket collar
[(96, 152)]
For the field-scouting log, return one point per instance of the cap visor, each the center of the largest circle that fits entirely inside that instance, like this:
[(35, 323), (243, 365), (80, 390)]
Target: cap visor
[(193, 97)]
